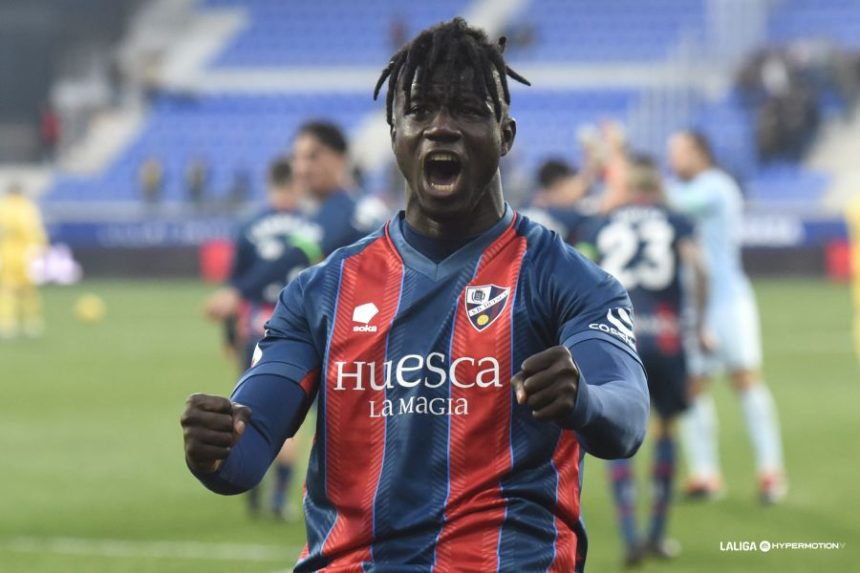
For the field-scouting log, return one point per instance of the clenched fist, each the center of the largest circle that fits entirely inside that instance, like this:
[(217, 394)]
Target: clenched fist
[(548, 383), (211, 427)]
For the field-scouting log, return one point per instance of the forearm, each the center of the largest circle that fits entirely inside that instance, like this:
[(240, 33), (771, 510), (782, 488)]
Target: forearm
[(612, 403), (700, 280), (244, 468), (278, 406), (701, 292)]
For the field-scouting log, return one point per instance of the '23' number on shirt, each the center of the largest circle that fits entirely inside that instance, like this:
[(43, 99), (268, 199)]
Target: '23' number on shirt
[(651, 240)]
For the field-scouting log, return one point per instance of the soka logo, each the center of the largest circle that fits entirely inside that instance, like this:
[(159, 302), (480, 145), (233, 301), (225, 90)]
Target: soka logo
[(363, 314), (620, 325), (484, 304)]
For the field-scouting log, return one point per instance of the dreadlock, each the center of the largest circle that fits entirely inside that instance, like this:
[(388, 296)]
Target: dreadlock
[(457, 46)]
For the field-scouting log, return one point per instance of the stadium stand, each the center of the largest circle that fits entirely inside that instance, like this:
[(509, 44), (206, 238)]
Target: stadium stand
[(620, 31), (334, 32), (229, 132), (241, 131), (836, 21)]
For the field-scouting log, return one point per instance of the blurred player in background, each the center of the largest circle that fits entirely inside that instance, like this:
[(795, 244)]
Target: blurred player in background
[(713, 201), (321, 171), (556, 204), (269, 250), (648, 249), (22, 238), (453, 418), (312, 211)]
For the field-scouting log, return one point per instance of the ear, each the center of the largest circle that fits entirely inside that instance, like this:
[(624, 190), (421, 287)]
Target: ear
[(509, 133), (392, 132)]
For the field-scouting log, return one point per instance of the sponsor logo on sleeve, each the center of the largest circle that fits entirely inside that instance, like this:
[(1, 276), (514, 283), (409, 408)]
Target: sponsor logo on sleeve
[(619, 324)]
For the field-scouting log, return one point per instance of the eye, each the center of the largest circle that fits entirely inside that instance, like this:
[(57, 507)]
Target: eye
[(419, 109), (475, 109)]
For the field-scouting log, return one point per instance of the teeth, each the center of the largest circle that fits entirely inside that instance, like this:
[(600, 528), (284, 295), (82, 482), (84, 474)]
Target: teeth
[(442, 156)]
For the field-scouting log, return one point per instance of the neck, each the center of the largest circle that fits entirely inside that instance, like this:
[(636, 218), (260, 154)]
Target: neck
[(463, 224), (321, 195), (701, 169)]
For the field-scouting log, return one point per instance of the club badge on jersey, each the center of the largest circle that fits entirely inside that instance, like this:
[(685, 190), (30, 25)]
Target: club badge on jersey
[(484, 304)]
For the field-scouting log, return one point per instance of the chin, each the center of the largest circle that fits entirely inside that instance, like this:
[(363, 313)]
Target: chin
[(457, 204)]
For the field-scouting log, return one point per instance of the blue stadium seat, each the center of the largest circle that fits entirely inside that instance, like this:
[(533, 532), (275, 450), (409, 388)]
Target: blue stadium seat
[(330, 33), (834, 21)]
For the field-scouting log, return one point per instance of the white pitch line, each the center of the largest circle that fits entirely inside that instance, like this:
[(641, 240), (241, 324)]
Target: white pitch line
[(152, 549)]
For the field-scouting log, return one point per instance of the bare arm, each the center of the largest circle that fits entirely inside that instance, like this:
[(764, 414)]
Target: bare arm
[(692, 258)]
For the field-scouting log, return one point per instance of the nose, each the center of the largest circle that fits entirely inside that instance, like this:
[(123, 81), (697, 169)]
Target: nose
[(443, 129)]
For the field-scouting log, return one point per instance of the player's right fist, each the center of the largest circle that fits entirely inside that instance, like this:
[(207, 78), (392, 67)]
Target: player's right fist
[(211, 426)]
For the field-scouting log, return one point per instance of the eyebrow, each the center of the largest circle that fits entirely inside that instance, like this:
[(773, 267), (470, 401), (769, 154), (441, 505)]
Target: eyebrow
[(464, 96)]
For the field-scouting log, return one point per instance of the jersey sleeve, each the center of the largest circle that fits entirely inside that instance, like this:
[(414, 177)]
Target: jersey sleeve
[(590, 304), (595, 322), (612, 404), (278, 388), (288, 347)]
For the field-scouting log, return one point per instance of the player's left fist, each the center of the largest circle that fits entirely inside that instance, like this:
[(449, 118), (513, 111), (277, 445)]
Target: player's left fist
[(548, 383)]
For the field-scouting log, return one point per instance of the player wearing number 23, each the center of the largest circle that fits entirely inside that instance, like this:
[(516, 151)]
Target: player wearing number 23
[(645, 246)]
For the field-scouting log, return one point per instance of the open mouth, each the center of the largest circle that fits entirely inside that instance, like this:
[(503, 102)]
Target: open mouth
[(442, 171)]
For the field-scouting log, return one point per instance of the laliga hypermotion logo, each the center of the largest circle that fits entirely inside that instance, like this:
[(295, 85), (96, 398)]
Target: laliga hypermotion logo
[(484, 304)]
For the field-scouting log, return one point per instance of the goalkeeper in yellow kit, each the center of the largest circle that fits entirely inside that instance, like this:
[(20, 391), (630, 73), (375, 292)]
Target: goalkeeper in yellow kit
[(22, 237)]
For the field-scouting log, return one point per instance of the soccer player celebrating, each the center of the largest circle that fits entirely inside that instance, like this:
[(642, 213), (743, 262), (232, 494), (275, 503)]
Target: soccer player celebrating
[(22, 236), (713, 201), (648, 248), (463, 357)]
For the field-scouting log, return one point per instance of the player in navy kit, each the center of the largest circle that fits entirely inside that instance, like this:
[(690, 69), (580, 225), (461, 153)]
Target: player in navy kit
[(464, 358), (647, 247), (321, 169), (269, 249), (556, 204)]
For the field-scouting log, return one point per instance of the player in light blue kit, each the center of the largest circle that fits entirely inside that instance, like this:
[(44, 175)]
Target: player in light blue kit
[(713, 201)]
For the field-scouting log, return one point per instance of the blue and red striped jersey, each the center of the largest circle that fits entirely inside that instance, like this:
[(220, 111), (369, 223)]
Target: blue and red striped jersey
[(422, 458)]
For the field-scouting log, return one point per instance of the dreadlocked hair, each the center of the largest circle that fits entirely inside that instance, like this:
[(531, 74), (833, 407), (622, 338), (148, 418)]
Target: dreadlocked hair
[(457, 46)]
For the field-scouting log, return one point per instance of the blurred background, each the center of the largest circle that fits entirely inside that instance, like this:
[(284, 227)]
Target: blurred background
[(144, 129)]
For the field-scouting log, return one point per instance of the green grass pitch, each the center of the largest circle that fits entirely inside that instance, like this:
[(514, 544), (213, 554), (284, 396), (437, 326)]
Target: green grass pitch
[(93, 479)]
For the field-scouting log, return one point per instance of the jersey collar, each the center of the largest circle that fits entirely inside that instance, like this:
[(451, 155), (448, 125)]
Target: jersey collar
[(468, 253)]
